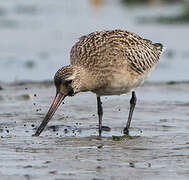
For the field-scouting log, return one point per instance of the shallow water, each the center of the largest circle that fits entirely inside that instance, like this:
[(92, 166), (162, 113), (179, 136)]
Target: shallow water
[(69, 147), (36, 36)]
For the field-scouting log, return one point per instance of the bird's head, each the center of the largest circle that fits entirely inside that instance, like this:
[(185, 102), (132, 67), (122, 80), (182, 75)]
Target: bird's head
[(64, 81)]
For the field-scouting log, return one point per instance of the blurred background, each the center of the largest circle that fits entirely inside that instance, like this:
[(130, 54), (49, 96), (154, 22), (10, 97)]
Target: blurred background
[(36, 36)]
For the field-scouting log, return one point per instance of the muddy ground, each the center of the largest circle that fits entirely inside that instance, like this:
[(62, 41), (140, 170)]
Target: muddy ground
[(69, 148)]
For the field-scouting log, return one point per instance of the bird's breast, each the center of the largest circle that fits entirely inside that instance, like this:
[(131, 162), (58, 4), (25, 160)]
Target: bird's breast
[(121, 83)]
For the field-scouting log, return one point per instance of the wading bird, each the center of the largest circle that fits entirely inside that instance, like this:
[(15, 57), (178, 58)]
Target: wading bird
[(106, 63)]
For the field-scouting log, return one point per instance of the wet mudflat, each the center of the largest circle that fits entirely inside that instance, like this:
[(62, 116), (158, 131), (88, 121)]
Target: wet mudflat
[(69, 148)]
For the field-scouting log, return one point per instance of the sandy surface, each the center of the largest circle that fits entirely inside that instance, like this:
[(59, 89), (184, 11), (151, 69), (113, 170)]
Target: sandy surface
[(69, 147)]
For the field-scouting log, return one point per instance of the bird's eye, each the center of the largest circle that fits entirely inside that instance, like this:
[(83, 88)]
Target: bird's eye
[(68, 82), (57, 82)]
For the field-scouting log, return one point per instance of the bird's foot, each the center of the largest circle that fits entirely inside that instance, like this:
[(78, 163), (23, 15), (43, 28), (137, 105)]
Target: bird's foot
[(126, 131)]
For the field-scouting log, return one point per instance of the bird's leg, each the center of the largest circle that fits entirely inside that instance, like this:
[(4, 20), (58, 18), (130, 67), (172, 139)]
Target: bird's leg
[(100, 114), (132, 107)]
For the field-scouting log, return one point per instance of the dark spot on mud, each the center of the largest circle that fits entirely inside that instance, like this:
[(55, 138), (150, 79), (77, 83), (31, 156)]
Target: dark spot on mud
[(100, 146), (171, 83), (38, 109), (119, 138), (119, 109), (53, 127), (99, 159), (35, 95), (65, 130), (34, 104), (1, 88), (52, 172), (24, 125), (98, 167), (29, 166), (163, 120), (7, 131), (106, 128), (32, 125), (26, 88), (131, 164), (25, 97), (47, 162)]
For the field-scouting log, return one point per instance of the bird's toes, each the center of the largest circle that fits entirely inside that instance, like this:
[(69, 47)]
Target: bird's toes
[(126, 131)]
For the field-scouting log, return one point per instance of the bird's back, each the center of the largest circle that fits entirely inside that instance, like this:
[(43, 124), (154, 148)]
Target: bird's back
[(111, 47), (117, 60)]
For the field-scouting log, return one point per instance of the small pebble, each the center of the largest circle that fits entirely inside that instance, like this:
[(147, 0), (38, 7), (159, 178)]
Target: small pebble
[(47, 162), (35, 95), (98, 167), (100, 146), (7, 131), (32, 125), (106, 128), (29, 166), (52, 172)]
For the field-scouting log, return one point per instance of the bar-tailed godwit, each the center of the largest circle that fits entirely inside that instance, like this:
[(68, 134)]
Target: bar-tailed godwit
[(105, 63)]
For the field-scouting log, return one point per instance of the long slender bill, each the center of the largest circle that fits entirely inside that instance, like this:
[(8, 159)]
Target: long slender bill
[(56, 102)]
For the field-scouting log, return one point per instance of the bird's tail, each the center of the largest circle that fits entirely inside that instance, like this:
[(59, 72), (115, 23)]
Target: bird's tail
[(159, 47)]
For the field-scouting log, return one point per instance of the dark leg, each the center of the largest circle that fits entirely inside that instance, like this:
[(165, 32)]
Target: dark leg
[(132, 107), (100, 114)]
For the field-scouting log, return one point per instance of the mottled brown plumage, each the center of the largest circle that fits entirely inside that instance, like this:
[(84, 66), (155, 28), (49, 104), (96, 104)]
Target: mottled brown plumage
[(107, 63)]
